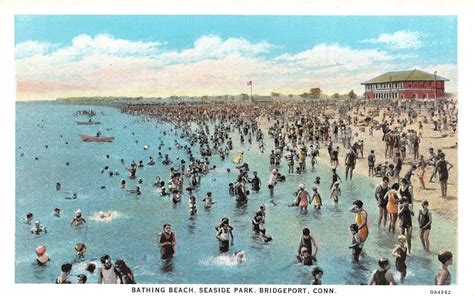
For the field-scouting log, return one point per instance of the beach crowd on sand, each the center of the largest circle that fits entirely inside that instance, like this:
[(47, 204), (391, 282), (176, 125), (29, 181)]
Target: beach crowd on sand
[(405, 146)]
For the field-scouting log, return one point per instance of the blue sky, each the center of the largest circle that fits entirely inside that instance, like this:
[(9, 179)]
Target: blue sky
[(424, 42)]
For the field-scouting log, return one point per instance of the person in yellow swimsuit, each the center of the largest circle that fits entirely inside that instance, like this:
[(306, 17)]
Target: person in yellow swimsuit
[(393, 197), (361, 220), (238, 159)]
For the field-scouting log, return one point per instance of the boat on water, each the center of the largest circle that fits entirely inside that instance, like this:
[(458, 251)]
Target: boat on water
[(85, 112), (90, 138), (87, 123)]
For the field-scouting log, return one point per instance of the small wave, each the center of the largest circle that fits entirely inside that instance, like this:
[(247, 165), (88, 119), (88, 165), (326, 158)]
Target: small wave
[(105, 216), (224, 260)]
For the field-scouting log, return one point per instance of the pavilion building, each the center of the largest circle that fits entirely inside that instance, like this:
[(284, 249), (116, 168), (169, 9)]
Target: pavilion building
[(411, 84)]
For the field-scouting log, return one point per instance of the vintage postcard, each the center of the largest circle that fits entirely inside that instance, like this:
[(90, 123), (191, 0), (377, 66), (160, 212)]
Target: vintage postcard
[(236, 153)]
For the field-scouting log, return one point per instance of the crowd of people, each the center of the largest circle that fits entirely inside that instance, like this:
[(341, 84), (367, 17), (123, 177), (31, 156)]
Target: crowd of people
[(296, 134)]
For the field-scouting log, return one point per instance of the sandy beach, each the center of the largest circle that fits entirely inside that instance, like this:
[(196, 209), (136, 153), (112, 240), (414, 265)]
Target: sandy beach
[(447, 207)]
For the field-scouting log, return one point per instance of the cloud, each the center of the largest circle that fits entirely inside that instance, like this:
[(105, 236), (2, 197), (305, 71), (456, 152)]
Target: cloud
[(336, 57), (398, 40), (214, 47), (85, 45), (30, 48), (103, 65), (106, 44)]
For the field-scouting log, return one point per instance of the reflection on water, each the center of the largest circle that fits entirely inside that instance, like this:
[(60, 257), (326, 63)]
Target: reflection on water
[(130, 231), (167, 266)]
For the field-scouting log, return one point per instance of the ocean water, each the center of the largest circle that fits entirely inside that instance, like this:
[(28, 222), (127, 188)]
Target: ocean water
[(131, 232)]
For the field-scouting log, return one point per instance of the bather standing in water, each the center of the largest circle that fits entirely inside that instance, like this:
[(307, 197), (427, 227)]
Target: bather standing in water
[(382, 276), (361, 221), (308, 242), (225, 236), (78, 220), (38, 228), (166, 241)]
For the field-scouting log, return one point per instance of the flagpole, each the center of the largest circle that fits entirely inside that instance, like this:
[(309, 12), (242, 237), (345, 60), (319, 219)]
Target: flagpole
[(251, 85)]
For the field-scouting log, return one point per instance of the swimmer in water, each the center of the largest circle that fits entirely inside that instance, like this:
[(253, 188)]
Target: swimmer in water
[(28, 219), (360, 220), (239, 257), (258, 226), (63, 278), (132, 169), (38, 228), (382, 276), (151, 162), (443, 276), (124, 272), (355, 244), (208, 200), (176, 196), (157, 182), (80, 250), (136, 191), (191, 202), (57, 212), (317, 276), (74, 196), (316, 198), (224, 235), (166, 242), (107, 274), (78, 220), (307, 242), (81, 279), (104, 215), (335, 192), (304, 257), (302, 198), (42, 258), (400, 252)]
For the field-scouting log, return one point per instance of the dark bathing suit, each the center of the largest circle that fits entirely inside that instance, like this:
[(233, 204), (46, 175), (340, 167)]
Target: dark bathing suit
[(167, 251), (400, 261), (406, 195), (425, 218), (383, 202), (405, 218), (307, 244), (380, 279), (443, 170)]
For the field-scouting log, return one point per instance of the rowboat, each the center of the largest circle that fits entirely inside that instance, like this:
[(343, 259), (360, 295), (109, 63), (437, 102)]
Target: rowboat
[(87, 123), (89, 138), (85, 112)]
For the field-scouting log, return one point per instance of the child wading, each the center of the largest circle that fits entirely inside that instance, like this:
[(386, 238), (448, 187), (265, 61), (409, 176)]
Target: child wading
[(335, 192), (316, 199), (356, 243), (400, 252)]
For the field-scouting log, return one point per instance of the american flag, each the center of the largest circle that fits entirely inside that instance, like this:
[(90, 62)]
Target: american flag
[(249, 83)]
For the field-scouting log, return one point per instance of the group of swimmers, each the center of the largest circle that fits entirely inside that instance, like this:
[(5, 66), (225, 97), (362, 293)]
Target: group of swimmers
[(108, 273), (298, 132)]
